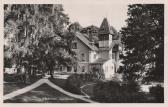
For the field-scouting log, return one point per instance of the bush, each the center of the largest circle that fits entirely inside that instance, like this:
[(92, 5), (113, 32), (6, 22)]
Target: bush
[(12, 77), (75, 81), (73, 84), (97, 74), (131, 86), (158, 93), (117, 77), (114, 92)]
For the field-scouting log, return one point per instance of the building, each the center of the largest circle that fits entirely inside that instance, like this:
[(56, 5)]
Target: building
[(105, 56), (92, 32)]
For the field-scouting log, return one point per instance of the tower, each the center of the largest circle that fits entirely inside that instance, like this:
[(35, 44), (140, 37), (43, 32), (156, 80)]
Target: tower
[(105, 40)]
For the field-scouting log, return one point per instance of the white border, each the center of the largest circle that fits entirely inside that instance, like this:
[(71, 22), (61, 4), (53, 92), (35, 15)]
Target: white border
[(165, 2)]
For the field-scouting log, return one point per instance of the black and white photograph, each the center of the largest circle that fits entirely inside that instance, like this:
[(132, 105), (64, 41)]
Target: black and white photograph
[(83, 53)]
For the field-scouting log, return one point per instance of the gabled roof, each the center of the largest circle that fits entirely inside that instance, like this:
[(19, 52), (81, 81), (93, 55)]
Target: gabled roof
[(85, 41), (112, 29), (105, 27)]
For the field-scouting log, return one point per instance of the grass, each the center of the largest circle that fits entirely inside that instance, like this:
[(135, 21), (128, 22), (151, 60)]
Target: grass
[(43, 94), (60, 82), (63, 84), (88, 90), (113, 92), (10, 87), (15, 83)]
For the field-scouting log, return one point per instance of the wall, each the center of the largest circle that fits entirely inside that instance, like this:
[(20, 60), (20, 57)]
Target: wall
[(82, 48), (105, 43), (103, 54), (91, 56)]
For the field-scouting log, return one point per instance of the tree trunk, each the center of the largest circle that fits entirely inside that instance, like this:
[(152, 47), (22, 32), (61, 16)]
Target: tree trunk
[(51, 73)]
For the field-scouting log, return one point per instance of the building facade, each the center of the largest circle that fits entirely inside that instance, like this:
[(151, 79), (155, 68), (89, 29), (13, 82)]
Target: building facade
[(105, 56)]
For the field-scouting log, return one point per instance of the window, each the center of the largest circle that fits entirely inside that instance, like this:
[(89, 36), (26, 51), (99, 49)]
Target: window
[(74, 45), (94, 56), (83, 56), (103, 37), (75, 69), (69, 69), (83, 68)]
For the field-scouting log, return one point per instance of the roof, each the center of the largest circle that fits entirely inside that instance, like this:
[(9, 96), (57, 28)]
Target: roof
[(85, 41), (92, 27), (99, 60), (105, 28), (115, 42), (102, 61), (104, 48)]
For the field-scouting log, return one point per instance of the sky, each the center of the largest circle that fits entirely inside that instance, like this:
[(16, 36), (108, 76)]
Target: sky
[(93, 14)]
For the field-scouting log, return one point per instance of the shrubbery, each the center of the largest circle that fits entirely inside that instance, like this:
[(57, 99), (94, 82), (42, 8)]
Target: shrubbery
[(114, 92), (97, 74), (158, 93), (75, 81), (11, 77), (73, 84)]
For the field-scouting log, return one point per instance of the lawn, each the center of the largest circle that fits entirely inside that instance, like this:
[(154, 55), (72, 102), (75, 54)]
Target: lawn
[(14, 83), (10, 87), (43, 94), (62, 83), (88, 89)]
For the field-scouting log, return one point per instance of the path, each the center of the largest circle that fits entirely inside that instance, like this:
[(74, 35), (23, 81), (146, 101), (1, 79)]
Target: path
[(40, 82), (85, 86)]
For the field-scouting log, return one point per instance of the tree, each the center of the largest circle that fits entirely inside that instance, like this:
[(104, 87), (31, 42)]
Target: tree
[(143, 40), (75, 27), (37, 36)]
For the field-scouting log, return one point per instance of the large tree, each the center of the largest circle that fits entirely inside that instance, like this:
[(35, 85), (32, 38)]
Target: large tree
[(36, 36), (143, 40)]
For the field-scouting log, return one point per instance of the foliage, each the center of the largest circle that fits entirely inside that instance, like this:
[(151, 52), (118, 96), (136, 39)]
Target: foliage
[(11, 78), (131, 86), (75, 27), (115, 92), (97, 73), (36, 36), (117, 77), (158, 92), (143, 40), (75, 81), (73, 84)]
